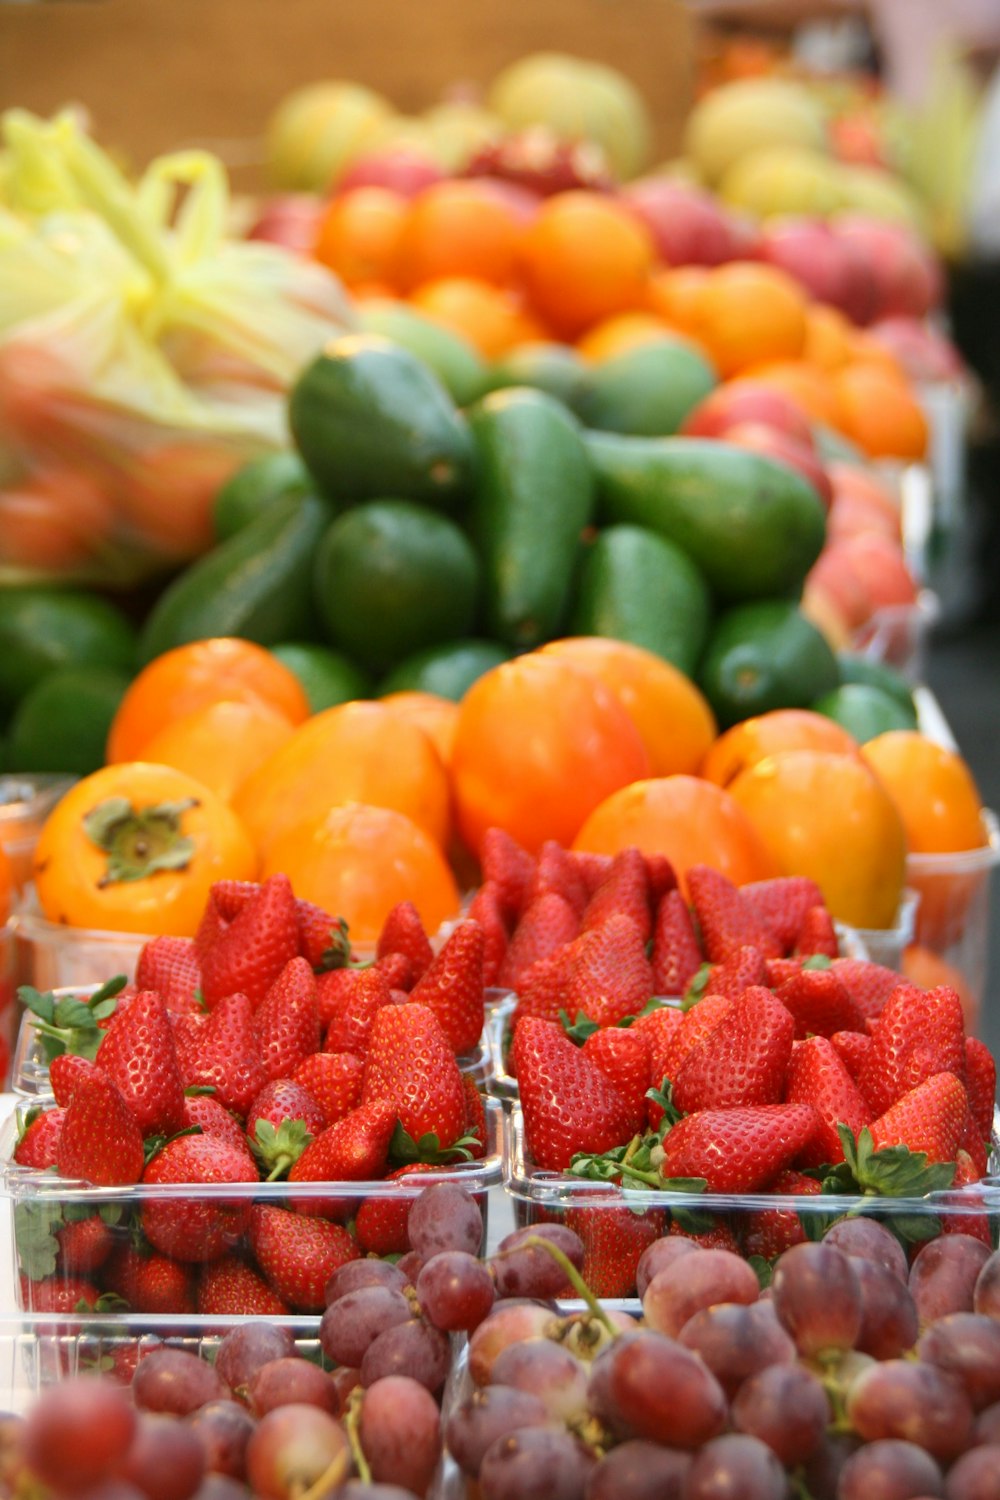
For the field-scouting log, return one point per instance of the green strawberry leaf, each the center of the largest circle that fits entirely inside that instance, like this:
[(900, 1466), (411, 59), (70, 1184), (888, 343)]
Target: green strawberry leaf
[(36, 1225), (277, 1149), (762, 1269), (403, 1149), (578, 1030)]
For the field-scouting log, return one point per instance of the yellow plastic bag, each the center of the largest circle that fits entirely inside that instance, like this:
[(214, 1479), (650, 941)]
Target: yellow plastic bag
[(144, 354)]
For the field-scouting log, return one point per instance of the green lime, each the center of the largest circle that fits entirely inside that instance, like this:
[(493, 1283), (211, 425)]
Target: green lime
[(252, 489), (447, 671), (857, 668), (62, 723), (45, 629), (865, 711), (327, 676), (554, 368)]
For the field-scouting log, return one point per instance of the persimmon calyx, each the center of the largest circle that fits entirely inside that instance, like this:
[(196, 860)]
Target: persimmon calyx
[(139, 842)]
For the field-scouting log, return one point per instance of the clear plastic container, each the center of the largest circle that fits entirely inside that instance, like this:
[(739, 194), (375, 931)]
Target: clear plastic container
[(25, 802)]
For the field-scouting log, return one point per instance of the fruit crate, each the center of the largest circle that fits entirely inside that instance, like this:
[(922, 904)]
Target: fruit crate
[(40, 1203)]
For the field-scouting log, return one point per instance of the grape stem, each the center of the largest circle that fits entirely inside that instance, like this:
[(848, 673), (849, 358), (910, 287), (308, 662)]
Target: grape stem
[(351, 1422), (576, 1281)]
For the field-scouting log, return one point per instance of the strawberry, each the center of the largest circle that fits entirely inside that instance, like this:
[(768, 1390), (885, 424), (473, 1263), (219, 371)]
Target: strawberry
[(170, 965), (592, 867), (65, 1072), (623, 892), (981, 1083), (100, 1140), (322, 939), (381, 1222), (556, 870), (485, 909), (726, 919), (475, 1118), (138, 1054), (257, 944), (230, 1288), (817, 934), (546, 925), (411, 1066), (198, 1227), (742, 1061), (868, 984), (355, 1149), (350, 1027), (623, 1056), (508, 867), (39, 1138), (334, 1081), (852, 1047), (738, 1150), (610, 976), (819, 1003), (817, 1076), (223, 1054), (613, 1242), (452, 987), (542, 988), (744, 967), (769, 1232), (568, 1103), (84, 1245), (782, 902), (286, 1023), (298, 1255), (164, 1285), (677, 954), (919, 1033), (59, 1294), (930, 1118), (281, 1122), (404, 932), (205, 1111)]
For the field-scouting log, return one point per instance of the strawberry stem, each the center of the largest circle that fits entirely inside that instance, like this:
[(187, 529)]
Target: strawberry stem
[(576, 1281), (352, 1423)]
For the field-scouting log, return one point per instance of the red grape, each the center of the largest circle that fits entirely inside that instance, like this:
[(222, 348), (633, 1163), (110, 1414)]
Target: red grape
[(349, 1326), (904, 1398), (943, 1275), (658, 1256), (817, 1297), (400, 1432), (166, 1460), (548, 1371), (638, 1470), (649, 1386), (224, 1428), (172, 1380), (445, 1217), (413, 1348), (889, 1324), (735, 1464), (492, 1412), (967, 1345), (455, 1291), (294, 1446), (691, 1283), (508, 1323), (867, 1239), (735, 1340), (535, 1463), (976, 1475), (786, 1407), (522, 1270), (892, 1469), (78, 1432), (244, 1349)]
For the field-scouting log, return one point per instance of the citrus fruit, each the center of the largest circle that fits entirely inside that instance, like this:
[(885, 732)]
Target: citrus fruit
[(744, 744), (221, 743)]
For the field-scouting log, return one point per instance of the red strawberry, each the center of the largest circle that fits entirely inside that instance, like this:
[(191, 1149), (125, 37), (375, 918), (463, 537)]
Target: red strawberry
[(170, 965), (677, 954), (334, 1081), (323, 940), (546, 925), (411, 1066), (198, 1227), (452, 987), (819, 1003), (744, 967), (223, 1054), (508, 867), (39, 1139), (782, 903), (592, 867), (817, 935), (613, 1242), (58, 1294), (981, 1084), (475, 1117), (381, 1222), (404, 932), (738, 1150), (623, 892), (741, 1061), (84, 1245), (929, 1118), (868, 984), (568, 1103), (350, 1027), (298, 1255), (214, 1119), (164, 1285), (138, 1054), (852, 1047), (230, 1288), (769, 1232), (282, 1120), (286, 1023), (485, 909), (65, 1072), (556, 870), (817, 1076), (100, 1140), (623, 1056), (355, 1149), (726, 919), (610, 976), (919, 1033), (542, 988), (250, 954)]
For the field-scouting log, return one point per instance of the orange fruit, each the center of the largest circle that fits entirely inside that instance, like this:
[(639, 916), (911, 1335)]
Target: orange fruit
[(358, 861), (766, 734), (359, 235), (933, 789), (492, 318), (437, 717), (747, 313), (810, 387), (878, 411), (457, 228), (675, 294), (188, 677), (826, 815), (109, 879), (621, 332), (220, 744), (689, 820), (671, 714), (355, 752), (537, 746), (582, 259)]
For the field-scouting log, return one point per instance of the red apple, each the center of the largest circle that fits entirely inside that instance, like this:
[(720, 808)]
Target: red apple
[(748, 401), (906, 275), (923, 352), (289, 219), (818, 259), (760, 438), (403, 169), (688, 226)]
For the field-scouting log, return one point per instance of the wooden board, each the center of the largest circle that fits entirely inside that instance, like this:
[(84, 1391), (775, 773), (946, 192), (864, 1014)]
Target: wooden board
[(156, 74)]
